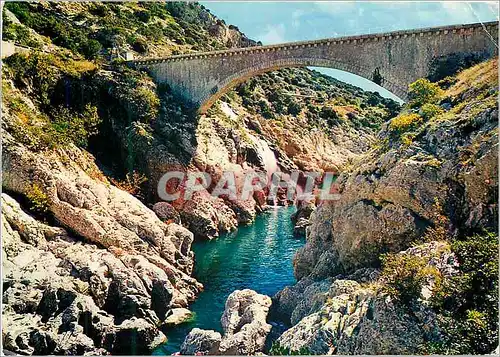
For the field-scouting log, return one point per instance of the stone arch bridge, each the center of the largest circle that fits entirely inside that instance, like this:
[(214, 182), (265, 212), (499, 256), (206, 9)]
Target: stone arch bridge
[(393, 59)]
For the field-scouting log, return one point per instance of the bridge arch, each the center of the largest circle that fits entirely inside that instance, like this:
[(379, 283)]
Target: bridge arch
[(398, 58), (228, 83)]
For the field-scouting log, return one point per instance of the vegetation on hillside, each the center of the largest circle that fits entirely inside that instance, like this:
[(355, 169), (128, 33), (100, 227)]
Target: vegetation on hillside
[(93, 29), (466, 302), (463, 96), (324, 101)]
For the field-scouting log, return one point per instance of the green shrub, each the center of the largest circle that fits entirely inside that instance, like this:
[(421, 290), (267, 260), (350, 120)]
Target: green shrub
[(447, 82), (329, 114), (61, 32), (141, 103), (73, 127), (37, 198), (405, 274), (468, 301), (19, 34), (265, 110), (294, 108), (154, 32), (41, 72), (143, 16), (423, 91), (90, 48), (429, 111), (37, 69), (140, 45), (278, 350)]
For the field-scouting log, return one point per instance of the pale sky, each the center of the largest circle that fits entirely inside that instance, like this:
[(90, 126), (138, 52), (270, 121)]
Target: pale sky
[(277, 22)]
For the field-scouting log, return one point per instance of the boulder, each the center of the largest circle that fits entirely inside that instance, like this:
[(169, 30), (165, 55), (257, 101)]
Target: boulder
[(301, 226), (294, 302), (207, 217), (304, 211), (359, 322), (136, 336), (178, 316), (244, 325), (166, 212), (198, 341)]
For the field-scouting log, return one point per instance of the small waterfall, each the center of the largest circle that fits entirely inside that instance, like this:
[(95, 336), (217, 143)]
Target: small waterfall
[(268, 159)]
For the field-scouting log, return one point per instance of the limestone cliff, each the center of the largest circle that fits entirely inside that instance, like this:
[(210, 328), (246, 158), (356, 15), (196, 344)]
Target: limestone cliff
[(445, 165), (427, 190)]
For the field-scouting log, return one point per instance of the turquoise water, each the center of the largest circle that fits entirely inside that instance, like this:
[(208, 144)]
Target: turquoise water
[(257, 257)]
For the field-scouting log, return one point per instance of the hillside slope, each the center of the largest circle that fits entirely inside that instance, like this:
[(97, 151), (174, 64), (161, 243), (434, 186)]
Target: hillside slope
[(304, 119)]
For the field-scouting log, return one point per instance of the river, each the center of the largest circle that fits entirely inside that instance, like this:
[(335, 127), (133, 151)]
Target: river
[(257, 257)]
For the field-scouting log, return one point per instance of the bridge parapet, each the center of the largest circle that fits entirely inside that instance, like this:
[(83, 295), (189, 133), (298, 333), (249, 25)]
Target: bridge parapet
[(429, 31)]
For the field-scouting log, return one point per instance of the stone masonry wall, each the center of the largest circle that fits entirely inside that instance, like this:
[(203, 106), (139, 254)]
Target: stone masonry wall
[(401, 57)]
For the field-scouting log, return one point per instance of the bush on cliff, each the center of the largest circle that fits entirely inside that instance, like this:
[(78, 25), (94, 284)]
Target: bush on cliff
[(405, 274), (423, 91), (468, 302), (405, 122), (37, 198), (44, 76), (278, 350), (70, 126), (429, 111)]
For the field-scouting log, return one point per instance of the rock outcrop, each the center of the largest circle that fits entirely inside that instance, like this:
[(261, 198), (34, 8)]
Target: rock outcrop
[(103, 214), (347, 317), (104, 282), (64, 296), (204, 342), (178, 316), (448, 169), (244, 325), (433, 181)]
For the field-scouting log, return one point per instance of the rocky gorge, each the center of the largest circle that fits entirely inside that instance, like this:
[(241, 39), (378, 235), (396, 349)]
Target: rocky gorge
[(95, 263)]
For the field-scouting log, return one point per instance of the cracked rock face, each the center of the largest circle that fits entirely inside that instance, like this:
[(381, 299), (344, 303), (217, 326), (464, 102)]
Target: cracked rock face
[(394, 195), (103, 214), (244, 325), (65, 295), (348, 318), (107, 294)]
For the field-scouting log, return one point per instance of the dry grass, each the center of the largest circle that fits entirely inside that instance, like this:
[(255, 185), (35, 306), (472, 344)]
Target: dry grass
[(344, 110), (131, 184), (483, 74)]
